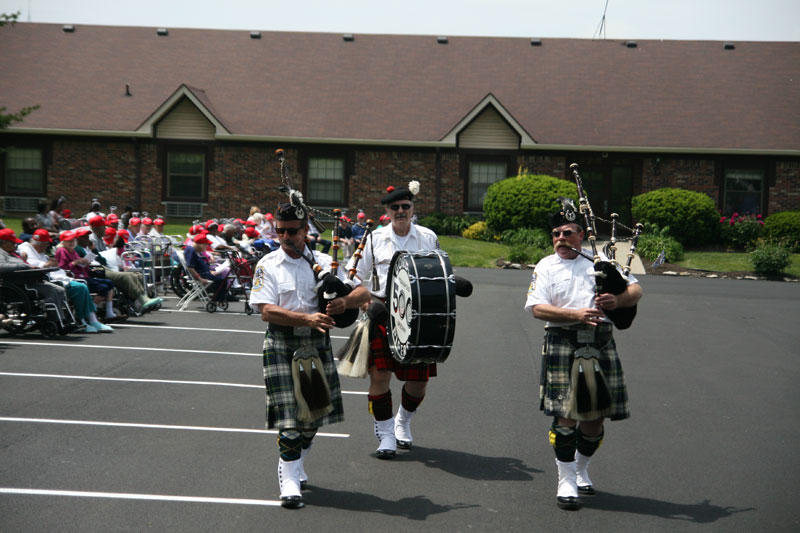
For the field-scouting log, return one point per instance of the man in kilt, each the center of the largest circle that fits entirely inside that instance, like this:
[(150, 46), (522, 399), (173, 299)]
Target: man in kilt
[(393, 431), (302, 385), (582, 379)]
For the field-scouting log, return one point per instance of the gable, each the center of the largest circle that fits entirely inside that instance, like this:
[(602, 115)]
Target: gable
[(490, 131), (184, 121)]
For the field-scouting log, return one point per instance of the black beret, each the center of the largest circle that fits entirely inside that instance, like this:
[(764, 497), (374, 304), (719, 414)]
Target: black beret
[(287, 212), (399, 193)]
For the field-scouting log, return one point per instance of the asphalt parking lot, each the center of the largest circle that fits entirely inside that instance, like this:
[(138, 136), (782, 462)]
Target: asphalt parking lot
[(160, 425)]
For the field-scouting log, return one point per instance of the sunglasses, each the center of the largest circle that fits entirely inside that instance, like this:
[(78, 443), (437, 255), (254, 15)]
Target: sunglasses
[(565, 233), (395, 207), (290, 231)]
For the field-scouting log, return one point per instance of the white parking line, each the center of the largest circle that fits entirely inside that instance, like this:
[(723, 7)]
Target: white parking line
[(139, 348), (131, 496), (153, 426), (142, 380), (204, 329)]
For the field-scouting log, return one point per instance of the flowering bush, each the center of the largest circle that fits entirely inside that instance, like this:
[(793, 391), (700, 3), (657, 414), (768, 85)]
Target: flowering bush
[(769, 258), (479, 231), (740, 231)]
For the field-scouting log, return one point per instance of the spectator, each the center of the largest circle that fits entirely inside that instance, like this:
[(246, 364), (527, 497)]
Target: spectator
[(29, 226), (199, 267)]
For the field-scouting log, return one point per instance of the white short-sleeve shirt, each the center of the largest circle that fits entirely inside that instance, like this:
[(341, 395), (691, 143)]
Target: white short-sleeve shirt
[(381, 246), (565, 283)]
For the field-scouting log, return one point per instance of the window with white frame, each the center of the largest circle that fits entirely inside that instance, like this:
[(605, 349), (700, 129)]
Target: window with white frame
[(186, 175), (326, 183), (743, 191), (481, 176), (23, 172)]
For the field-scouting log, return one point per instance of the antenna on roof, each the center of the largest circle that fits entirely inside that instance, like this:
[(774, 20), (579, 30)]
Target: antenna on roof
[(601, 29)]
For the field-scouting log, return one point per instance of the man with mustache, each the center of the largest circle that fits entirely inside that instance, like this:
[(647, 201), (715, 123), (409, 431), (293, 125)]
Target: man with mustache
[(562, 292), (399, 234), (284, 292)]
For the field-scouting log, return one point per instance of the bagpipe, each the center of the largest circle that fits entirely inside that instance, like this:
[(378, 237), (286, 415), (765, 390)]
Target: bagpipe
[(608, 278), (329, 286)]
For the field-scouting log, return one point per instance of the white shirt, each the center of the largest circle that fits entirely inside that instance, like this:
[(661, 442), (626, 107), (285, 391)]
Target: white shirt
[(565, 283), (38, 259), (288, 283), (384, 243)]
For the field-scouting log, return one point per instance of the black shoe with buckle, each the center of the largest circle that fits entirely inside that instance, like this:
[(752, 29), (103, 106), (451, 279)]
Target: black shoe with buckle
[(569, 503), (292, 502), (586, 490)]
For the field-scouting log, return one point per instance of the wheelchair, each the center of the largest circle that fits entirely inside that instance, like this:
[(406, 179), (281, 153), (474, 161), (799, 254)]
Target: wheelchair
[(25, 309)]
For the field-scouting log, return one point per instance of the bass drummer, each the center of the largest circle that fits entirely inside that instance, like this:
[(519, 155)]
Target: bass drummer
[(400, 235)]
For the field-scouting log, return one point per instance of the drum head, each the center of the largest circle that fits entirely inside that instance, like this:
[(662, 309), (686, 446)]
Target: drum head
[(420, 298)]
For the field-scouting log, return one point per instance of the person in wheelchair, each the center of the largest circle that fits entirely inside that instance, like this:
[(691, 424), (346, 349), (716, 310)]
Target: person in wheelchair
[(34, 257), (130, 284), (199, 268), (80, 267)]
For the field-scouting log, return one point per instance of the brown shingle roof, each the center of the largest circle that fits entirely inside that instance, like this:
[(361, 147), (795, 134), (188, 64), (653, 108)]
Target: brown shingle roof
[(661, 94)]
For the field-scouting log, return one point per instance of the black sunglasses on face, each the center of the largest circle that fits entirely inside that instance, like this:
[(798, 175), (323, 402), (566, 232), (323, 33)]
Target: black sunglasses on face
[(395, 207), (290, 231), (565, 233)]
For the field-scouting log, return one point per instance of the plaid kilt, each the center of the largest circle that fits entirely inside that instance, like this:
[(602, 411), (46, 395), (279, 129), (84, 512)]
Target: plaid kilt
[(381, 357), (558, 353), (281, 403)]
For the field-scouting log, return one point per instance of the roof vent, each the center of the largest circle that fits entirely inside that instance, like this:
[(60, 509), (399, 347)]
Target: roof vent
[(348, 38), (631, 44), (162, 32), (441, 39), (255, 35), (728, 46), (68, 28), (536, 42)]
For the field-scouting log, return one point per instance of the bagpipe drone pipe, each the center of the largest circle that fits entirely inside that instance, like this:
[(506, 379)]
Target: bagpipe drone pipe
[(608, 278)]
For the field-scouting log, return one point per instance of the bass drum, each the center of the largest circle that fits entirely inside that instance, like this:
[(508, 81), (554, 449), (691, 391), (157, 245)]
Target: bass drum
[(421, 300)]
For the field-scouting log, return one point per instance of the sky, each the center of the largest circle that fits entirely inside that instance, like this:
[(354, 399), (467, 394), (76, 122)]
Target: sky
[(718, 20)]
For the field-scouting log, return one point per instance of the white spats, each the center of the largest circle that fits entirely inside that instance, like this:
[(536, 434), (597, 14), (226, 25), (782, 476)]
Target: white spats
[(384, 432), (402, 428)]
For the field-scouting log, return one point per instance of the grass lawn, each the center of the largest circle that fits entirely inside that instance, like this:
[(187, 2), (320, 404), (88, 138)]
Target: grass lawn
[(729, 262), (470, 253)]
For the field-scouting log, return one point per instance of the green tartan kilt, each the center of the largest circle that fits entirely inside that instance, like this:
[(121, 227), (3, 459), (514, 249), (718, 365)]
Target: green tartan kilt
[(559, 354), (281, 404)]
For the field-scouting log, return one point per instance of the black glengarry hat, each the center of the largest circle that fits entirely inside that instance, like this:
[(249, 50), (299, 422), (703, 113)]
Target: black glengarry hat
[(568, 214), (287, 212)]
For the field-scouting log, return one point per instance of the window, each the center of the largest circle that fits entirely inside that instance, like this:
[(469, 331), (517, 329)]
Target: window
[(326, 180), (186, 176), (743, 191), (481, 175), (23, 172)]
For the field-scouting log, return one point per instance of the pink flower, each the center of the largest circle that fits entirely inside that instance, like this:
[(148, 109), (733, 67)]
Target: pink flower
[(761, 222), (733, 221), (722, 220), (758, 217), (734, 215)]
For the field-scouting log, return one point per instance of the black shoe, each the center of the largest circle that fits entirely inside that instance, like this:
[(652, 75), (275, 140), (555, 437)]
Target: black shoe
[(385, 454), (303, 485), (570, 503), (586, 490), (292, 502), (404, 444)]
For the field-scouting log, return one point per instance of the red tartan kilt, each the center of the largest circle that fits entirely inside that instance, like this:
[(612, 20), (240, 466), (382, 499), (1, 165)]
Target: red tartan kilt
[(381, 357)]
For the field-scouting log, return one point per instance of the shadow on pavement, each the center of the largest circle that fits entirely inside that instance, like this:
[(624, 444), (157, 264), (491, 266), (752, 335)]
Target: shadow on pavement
[(414, 508), (701, 513), (468, 465)]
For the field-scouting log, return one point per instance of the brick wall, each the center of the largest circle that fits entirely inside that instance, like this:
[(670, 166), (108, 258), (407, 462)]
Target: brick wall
[(785, 195)]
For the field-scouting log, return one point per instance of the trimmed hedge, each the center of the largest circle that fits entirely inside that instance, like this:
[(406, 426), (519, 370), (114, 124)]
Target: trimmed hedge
[(524, 201), (691, 216), (784, 227), (447, 224)]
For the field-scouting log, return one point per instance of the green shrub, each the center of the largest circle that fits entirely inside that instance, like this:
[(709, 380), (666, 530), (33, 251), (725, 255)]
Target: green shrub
[(524, 201), (653, 240), (447, 224), (784, 226), (533, 237), (691, 216), (769, 257), (519, 254), (740, 231), (479, 231)]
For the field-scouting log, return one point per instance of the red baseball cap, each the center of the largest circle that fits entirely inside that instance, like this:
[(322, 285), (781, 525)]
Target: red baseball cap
[(67, 235), (250, 231), (362, 215), (159, 222), (201, 239), (97, 221), (124, 234), (147, 221), (134, 221), (8, 234), (42, 235), (269, 216), (83, 230), (109, 236), (66, 213)]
